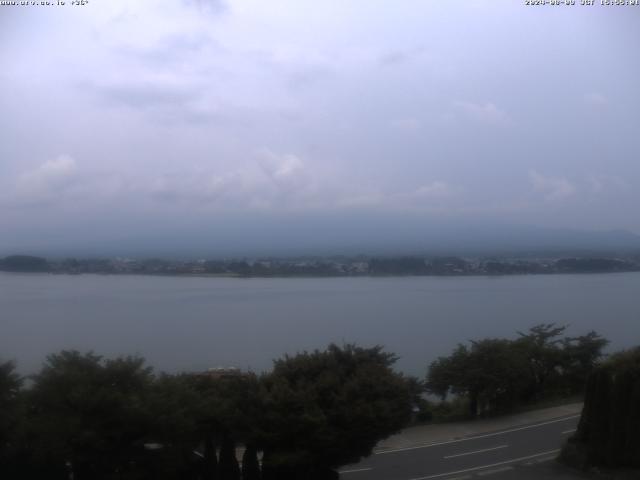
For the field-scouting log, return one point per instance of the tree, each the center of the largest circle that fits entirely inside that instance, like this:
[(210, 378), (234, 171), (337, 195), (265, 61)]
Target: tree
[(328, 408), (542, 347), (24, 263), (228, 467), (175, 406), (250, 464), (497, 374), (581, 356), (10, 417), (448, 374), (609, 430), (489, 374), (90, 414)]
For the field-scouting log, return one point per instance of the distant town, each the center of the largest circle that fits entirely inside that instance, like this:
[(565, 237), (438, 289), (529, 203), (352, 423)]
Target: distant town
[(324, 267)]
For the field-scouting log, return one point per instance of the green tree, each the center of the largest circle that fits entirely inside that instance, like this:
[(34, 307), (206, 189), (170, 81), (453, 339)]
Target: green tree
[(229, 406), (250, 464), (175, 407), (449, 374), (581, 356), (609, 430), (329, 408), (89, 414), (497, 374), (24, 263), (542, 347), (489, 374), (10, 417)]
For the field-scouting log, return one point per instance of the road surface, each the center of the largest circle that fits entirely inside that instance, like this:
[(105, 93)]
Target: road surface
[(498, 454)]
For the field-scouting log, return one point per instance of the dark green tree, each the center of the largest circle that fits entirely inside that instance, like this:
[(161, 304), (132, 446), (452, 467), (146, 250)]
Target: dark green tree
[(250, 464), (489, 374), (89, 414), (228, 468), (229, 405), (329, 408), (581, 356), (542, 347), (175, 406), (24, 263), (497, 374), (11, 423), (448, 374), (609, 430)]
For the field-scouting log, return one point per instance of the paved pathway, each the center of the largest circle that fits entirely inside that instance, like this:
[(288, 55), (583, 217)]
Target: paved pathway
[(451, 431), (514, 446)]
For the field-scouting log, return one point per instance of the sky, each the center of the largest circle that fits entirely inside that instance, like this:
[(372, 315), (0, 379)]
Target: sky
[(247, 122)]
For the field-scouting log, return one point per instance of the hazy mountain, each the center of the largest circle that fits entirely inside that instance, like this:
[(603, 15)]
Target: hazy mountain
[(327, 236)]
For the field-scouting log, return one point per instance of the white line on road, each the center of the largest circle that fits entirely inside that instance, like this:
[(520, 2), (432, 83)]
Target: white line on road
[(493, 471), (547, 459), (568, 431), (476, 451), (427, 445), (355, 470), (513, 460)]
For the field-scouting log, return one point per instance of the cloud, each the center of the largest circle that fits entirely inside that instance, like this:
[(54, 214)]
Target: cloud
[(435, 189), (405, 124), (431, 195), (171, 51), (269, 180), (48, 182), (285, 181), (428, 196), (606, 183), (552, 188), (398, 57), (281, 169), (487, 112), (596, 100), (165, 101), (147, 94), (208, 6)]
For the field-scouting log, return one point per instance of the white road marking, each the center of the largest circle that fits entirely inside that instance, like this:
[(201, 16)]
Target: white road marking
[(486, 435), (494, 470), (513, 460), (355, 470), (568, 431), (476, 451), (548, 459)]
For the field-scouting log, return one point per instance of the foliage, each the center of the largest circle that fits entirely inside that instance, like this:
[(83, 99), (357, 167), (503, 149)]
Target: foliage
[(250, 464), (489, 374), (97, 418), (609, 430), (24, 263), (10, 384), (101, 418), (498, 374), (326, 409), (89, 413)]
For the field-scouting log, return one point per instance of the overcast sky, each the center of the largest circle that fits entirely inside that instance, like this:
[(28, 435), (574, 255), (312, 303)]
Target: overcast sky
[(123, 117)]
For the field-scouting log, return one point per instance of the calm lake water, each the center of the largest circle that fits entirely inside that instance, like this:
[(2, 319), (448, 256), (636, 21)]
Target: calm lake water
[(183, 323)]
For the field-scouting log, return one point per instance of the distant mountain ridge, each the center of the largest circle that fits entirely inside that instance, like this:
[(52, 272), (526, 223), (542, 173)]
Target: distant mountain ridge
[(326, 236)]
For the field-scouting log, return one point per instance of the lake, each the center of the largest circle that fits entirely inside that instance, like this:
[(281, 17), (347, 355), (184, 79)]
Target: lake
[(190, 323)]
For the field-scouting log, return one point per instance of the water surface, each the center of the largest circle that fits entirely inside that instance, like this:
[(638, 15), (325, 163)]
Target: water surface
[(187, 323)]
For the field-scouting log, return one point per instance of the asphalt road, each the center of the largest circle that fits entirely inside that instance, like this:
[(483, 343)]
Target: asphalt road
[(498, 454)]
